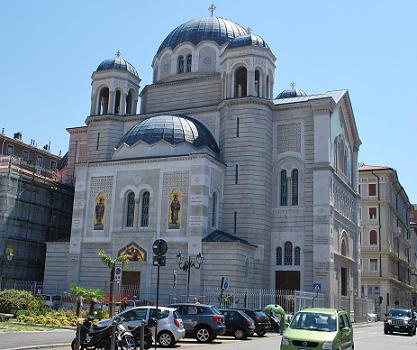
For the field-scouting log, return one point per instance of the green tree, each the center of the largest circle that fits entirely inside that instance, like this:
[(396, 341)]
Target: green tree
[(110, 262), (91, 295)]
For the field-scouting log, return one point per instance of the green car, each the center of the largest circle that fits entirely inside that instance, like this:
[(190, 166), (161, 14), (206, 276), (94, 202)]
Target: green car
[(318, 328)]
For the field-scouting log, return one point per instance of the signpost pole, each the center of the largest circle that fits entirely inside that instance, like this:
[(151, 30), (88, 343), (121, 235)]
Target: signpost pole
[(157, 305)]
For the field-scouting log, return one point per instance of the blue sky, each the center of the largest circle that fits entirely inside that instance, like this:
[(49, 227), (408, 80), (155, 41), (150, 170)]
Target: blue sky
[(49, 49)]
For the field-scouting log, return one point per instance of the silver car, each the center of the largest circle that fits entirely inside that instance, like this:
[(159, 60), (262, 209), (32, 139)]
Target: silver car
[(170, 326)]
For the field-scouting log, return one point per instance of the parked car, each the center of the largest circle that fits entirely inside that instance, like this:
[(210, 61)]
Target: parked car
[(50, 300), (202, 322), (170, 326), (318, 328), (262, 324), (400, 320), (238, 324)]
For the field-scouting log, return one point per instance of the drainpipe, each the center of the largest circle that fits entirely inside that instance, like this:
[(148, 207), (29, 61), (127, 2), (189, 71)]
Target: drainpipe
[(379, 224)]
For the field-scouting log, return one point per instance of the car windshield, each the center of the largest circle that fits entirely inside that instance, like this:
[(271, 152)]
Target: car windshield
[(399, 313), (260, 313), (216, 311), (313, 321)]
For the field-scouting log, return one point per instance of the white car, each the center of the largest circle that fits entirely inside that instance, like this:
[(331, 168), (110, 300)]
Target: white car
[(170, 326)]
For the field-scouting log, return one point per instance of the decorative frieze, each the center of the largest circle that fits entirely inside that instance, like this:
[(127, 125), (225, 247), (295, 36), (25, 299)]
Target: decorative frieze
[(289, 138)]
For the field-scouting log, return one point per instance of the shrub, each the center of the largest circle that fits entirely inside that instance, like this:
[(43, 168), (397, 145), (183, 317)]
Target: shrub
[(12, 301)]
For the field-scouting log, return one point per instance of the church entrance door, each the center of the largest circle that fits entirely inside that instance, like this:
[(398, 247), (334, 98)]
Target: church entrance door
[(287, 280), (131, 283)]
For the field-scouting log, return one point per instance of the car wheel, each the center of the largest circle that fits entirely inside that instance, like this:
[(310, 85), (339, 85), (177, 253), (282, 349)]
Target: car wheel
[(127, 343), (414, 333), (239, 334), (166, 339), (204, 335), (385, 331), (260, 333), (410, 333)]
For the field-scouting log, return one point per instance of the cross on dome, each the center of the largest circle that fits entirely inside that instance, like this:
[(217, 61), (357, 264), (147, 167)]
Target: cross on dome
[(249, 30), (212, 8), (292, 85), (118, 53)]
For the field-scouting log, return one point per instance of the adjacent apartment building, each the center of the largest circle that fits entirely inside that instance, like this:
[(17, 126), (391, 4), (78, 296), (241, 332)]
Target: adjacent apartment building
[(388, 259), (34, 207)]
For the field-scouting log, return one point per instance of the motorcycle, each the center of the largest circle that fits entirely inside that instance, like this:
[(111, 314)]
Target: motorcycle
[(148, 339), (275, 324), (94, 336)]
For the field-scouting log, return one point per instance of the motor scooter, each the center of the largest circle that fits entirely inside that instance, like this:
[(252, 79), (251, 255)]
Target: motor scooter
[(94, 336), (148, 336)]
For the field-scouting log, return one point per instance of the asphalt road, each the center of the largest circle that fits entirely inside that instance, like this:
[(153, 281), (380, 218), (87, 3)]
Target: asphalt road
[(367, 337)]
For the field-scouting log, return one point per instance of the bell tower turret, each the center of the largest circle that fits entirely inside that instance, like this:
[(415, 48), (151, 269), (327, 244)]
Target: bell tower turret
[(115, 88)]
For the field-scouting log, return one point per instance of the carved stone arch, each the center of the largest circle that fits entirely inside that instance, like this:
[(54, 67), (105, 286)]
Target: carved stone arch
[(344, 244), (134, 252)]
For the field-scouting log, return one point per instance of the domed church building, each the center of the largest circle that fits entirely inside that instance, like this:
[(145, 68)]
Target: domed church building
[(264, 188)]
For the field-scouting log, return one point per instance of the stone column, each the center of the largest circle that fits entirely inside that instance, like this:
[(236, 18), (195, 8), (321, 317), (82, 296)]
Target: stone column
[(251, 83), (135, 105), (136, 213), (123, 103), (112, 97)]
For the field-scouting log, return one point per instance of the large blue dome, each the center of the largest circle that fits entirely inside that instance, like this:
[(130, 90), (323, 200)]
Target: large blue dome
[(216, 29), (174, 129), (117, 63)]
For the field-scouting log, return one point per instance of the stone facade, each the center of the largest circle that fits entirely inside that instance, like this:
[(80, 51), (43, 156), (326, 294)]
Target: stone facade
[(271, 209)]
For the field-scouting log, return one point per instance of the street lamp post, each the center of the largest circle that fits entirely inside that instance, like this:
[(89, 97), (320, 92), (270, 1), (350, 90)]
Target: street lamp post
[(186, 264), (4, 260)]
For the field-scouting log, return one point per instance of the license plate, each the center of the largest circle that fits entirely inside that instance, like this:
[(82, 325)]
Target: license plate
[(396, 326)]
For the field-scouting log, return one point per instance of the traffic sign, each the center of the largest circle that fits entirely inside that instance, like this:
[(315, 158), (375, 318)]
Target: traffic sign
[(317, 287), (159, 260), (118, 271), (225, 283), (160, 247)]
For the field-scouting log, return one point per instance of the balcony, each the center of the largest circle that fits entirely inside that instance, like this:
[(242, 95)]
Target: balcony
[(367, 273), (370, 248)]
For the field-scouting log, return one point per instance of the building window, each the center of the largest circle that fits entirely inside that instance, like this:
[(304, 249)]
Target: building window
[(53, 165), (241, 78), (189, 62), (25, 155), (343, 248), (103, 101), (284, 189), (39, 161), (237, 127), (257, 84), (359, 189), (372, 189), (288, 253), (267, 86), (129, 103), (130, 209), (235, 222), (373, 237), (117, 102), (279, 256), (236, 174), (246, 267), (144, 219), (297, 257), (214, 211), (180, 65), (294, 187), (372, 213), (98, 141), (10, 150), (373, 265)]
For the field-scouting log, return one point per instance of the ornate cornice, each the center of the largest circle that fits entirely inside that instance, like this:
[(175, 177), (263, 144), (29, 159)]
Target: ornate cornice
[(245, 100)]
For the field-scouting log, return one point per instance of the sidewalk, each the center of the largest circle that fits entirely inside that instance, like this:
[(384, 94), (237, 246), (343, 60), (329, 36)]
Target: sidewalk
[(35, 338)]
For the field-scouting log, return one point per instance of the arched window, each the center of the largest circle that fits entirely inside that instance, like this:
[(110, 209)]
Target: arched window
[(130, 209), (129, 103), (117, 102), (246, 267), (214, 211), (288, 253), (257, 84), (241, 79), (144, 218), (294, 187), (373, 237), (189, 62), (267, 86), (343, 248), (297, 257), (335, 153), (284, 188), (279, 256), (180, 65), (103, 101)]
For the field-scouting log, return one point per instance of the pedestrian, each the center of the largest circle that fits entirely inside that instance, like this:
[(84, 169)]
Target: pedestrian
[(195, 300)]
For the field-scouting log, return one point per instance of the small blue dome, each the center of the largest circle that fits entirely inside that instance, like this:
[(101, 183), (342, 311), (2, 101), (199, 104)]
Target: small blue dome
[(117, 63), (247, 40), (291, 93), (216, 29), (174, 129)]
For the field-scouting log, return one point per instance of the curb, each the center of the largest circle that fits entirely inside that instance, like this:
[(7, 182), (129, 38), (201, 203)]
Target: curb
[(42, 346)]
